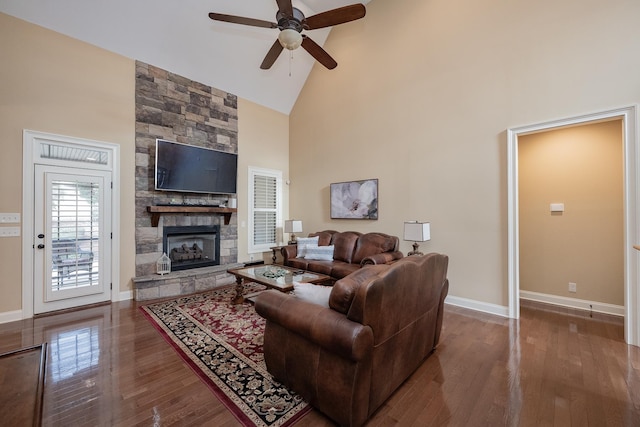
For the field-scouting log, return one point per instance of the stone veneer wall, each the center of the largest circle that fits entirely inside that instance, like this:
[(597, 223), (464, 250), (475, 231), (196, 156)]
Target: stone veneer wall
[(177, 109)]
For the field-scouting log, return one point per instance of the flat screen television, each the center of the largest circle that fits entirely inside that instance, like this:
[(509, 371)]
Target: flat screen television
[(187, 168)]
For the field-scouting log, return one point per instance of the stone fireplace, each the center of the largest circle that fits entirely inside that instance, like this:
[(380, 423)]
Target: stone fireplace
[(191, 246), (175, 108)]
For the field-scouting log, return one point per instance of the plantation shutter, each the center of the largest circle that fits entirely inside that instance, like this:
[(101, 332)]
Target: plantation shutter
[(75, 233), (265, 207)]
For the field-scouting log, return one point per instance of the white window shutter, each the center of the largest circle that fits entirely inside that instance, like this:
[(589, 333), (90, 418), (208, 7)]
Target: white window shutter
[(265, 208)]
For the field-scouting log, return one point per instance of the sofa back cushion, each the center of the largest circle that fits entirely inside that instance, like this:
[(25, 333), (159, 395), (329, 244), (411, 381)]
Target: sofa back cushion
[(409, 288), (372, 244), (324, 237), (345, 245), (345, 289)]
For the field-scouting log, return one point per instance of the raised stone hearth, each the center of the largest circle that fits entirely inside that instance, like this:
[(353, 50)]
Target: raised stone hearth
[(183, 282)]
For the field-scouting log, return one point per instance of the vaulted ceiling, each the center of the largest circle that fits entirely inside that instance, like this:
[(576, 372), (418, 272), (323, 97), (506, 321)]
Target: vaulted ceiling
[(179, 36)]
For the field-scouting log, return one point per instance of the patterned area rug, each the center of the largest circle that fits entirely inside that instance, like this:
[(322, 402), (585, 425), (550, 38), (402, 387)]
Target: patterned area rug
[(222, 343)]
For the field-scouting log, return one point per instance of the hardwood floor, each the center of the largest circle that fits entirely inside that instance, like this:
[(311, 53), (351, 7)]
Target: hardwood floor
[(108, 366)]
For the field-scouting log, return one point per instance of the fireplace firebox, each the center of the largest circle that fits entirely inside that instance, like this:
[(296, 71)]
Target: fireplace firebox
[(192, 246)]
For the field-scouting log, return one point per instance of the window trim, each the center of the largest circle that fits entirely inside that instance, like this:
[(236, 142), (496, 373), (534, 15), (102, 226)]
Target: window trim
[(271, 173)]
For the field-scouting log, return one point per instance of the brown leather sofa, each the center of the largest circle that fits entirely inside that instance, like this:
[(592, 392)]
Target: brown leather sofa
[(352, 250), (346, 360)]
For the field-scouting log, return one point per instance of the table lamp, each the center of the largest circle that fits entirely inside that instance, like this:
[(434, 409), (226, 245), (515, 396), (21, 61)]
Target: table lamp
[(292, 226), (416, 232)]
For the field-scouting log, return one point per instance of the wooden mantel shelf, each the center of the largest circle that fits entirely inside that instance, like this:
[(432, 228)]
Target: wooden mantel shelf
[(157, 211)]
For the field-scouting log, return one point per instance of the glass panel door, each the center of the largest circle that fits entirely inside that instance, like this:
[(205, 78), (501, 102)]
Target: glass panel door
[(73, 235)]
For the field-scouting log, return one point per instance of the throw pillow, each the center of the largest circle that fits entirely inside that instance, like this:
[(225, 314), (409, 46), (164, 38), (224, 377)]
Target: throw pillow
[(315, 294), (303, 243), (321, 253)]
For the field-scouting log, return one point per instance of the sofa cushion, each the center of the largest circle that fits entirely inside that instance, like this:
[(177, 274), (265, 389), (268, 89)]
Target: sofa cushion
[(343, 269), (299, 263), (372, 244), (345, 244), (322, 253), (316, 294), (322, 267), (324, 237), (304, 243)]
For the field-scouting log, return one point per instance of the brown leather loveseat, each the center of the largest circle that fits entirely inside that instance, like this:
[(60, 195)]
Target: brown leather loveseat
[(352, 250), (346, 360)]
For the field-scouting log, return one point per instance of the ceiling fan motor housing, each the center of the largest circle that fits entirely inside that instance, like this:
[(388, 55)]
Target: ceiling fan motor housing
[(290, 22)]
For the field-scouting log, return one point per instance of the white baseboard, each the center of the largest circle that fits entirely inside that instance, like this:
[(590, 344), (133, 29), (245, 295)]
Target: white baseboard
[(580, 304), (10, 316), (125, 295), (484, 307)]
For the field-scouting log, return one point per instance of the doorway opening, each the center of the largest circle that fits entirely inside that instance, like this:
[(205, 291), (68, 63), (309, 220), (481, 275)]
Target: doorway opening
[(70, 187), (631, 167)]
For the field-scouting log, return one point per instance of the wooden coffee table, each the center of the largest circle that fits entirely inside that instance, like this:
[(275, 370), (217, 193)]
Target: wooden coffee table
[(273, 276)]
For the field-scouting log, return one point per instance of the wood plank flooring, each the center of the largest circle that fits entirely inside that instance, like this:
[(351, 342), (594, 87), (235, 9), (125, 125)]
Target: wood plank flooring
[(108, 366)]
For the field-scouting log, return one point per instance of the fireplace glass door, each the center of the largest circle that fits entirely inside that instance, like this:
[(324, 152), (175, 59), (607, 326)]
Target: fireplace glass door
[(192, 246)]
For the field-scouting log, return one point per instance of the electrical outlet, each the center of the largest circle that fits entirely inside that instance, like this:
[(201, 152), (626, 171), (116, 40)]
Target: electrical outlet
[(572, 287), (9, 218), (9, 231)]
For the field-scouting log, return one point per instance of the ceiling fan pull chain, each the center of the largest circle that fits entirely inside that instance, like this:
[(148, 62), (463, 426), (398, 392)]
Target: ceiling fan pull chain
[(290, 61)]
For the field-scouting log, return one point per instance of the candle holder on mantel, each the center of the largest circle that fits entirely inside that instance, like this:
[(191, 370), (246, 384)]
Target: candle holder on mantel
[(163, 265)]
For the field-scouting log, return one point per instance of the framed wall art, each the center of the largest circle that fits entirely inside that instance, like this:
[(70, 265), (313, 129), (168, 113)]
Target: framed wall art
[(354, 199)]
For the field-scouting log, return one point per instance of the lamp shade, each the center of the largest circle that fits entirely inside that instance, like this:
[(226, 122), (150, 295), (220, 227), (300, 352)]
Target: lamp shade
[(415, 231), (293, 226), (290, 39)]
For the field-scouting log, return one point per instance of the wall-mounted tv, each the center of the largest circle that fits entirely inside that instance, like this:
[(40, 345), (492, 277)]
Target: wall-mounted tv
[(187, 168)]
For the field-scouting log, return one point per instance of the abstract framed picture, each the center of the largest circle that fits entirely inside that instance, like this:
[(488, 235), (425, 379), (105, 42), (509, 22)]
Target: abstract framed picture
[(354, 199)]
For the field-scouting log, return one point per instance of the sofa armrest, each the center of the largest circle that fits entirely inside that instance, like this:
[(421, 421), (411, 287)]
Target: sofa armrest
[(319, 325), (383, 258), (289, 252)]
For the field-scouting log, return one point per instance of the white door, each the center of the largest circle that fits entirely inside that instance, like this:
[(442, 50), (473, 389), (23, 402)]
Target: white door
[(72, 239)]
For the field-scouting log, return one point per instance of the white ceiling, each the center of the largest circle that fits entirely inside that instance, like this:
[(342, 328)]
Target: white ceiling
[(179, 36)]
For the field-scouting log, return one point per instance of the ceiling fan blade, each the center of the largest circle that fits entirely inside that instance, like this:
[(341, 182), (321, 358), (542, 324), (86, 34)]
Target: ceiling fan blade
[(242, 20), (272, 55), (285, 7), (318, 53), (335, 17)]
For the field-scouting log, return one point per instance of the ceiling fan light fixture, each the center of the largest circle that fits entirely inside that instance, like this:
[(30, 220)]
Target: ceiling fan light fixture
[(290, 39)]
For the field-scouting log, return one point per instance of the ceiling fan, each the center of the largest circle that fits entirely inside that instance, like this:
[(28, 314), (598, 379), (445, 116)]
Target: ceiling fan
[(291, 22)]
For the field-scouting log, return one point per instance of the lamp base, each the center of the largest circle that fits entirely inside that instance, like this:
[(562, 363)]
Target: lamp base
[(415, 250)]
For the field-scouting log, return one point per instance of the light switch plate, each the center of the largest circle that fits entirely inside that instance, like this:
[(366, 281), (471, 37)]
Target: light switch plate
[(9, 231), (9, 218)]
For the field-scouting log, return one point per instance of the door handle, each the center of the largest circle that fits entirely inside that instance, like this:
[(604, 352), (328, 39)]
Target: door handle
[(40, 246)]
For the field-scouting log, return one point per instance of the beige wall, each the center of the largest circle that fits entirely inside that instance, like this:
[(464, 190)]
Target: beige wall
[(582, 168), (422, 98), (55, 84), (263, 142), (52, 83)]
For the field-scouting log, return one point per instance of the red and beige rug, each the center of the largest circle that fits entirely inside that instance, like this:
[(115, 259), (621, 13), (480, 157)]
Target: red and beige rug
[(222, 343)]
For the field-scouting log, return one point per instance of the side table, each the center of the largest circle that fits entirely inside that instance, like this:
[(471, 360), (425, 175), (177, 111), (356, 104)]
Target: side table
[(274, 250)]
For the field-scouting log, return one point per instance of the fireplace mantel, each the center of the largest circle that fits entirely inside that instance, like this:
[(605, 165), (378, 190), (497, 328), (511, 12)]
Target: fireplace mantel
[(157, 211)]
